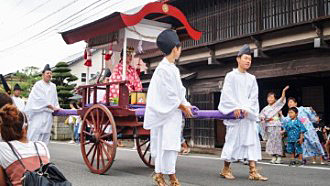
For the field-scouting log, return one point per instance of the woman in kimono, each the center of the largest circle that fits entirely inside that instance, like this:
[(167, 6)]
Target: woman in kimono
[(311, 146), (134, 82), (271, 121)]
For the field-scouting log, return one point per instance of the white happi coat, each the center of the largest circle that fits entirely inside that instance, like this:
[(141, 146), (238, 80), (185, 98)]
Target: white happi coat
[(40, 117), (240, 91), (162, 115), (20, 104)]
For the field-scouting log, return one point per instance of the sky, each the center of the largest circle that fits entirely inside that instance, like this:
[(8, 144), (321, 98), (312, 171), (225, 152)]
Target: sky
[(29, 29)]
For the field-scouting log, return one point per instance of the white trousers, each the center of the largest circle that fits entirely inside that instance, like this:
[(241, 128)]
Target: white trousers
[(36, 136), (242, 142), (165, 162)]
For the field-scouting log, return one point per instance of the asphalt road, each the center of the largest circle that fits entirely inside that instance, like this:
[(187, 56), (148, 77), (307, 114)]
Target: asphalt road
[(195, 169)]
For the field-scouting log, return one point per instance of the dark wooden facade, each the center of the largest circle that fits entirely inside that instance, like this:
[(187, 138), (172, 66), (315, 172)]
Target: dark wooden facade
[(222, 20), (283, 35)]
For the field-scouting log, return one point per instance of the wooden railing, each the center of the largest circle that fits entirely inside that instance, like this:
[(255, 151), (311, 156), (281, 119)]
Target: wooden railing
[(87, 90)]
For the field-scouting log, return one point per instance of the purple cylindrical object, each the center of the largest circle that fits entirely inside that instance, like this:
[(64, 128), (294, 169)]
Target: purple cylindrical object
[(199, 114), (65, 112)]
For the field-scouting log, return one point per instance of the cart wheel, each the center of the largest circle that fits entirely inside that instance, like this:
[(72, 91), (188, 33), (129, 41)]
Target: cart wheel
[(143, 149), (98, 139)]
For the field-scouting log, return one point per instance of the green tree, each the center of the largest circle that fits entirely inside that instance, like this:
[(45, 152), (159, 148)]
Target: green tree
[(31, 71), (26, 78), (63, 78), (31, 75)]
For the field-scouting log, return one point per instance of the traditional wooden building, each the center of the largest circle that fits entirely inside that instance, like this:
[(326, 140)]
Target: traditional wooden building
[(290, 42)]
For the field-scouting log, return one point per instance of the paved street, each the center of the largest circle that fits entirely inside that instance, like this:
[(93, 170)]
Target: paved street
[(194, 169)]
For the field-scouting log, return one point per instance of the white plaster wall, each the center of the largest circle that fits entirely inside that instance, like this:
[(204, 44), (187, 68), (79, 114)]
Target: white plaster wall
[(79, 67)]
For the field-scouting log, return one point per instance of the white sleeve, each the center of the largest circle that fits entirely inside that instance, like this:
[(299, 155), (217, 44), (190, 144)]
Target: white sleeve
[(253, 107), (228, 102), (254, 101), (1, 154), (185, 102), (37, 101), (57, 105), (163, 98), (171, 100), (276, 108)]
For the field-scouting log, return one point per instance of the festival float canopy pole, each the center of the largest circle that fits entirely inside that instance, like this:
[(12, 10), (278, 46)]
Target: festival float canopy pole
[(124, 55)]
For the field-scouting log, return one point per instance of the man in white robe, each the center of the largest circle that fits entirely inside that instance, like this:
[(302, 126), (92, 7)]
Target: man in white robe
[(240, 95), (42, 102), (20, 104), (165, 103)]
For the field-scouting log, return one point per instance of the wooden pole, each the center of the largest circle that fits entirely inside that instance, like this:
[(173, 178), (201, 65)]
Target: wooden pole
[(124, 56), (87, 78)]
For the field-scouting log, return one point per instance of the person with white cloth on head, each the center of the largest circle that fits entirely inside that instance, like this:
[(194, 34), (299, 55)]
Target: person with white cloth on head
[(165, 103), (19, 103), (42, 102), (240, 95)]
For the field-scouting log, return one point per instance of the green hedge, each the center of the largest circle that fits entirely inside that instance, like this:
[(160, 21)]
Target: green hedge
[(61, 70), (67, 87), (62, 75), (61, 64), (72, 78), (65, 94)]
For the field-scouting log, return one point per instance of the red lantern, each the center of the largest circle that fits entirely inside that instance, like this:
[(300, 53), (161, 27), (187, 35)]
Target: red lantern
[(107, 57), (88, 63), (85, 54)]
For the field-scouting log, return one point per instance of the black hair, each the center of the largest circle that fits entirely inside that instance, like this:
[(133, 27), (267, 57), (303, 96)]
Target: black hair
[(176, 46), (239, 56), (122, 53), (271, 93), (293, 99), (74, 104), (294, 109)]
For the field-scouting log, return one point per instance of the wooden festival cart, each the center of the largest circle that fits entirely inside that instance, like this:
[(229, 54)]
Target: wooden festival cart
[(104, 123)]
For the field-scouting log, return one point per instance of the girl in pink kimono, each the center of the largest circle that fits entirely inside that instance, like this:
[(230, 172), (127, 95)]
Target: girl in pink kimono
[(134, 82), (271, 121)]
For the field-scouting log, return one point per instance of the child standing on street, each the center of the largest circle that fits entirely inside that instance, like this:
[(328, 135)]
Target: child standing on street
[(271, 122), (295, 131)]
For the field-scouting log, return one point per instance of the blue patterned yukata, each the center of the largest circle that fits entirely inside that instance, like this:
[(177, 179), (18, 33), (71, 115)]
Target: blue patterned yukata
[(311, 146), (294, 128)]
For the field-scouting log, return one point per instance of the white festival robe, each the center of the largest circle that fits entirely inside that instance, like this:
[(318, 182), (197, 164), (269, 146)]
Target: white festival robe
[(163, 117), (240, 91), (19, 103), (40, 117)]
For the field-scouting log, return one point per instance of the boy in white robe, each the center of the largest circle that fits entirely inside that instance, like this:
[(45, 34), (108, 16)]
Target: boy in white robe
[(240, 95), (42, 102), (20, 104), (165, 103)]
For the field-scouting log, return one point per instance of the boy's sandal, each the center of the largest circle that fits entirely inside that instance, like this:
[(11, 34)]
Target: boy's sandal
[(159, 179), (175, 182)]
